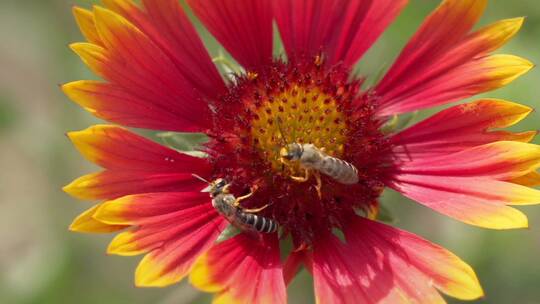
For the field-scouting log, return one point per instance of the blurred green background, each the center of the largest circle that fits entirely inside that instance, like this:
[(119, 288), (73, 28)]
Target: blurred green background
[(41, 262)]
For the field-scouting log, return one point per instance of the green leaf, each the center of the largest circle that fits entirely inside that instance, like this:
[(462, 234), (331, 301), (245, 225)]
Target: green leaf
[(228, 233), (188, 143), (398, 122), (385, 215)]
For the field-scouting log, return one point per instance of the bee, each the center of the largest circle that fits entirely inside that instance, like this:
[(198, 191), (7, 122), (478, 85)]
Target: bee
[(314, 159), (229, 207)]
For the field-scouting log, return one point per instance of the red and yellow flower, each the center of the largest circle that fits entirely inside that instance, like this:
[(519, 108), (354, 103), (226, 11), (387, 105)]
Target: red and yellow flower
[(158, 75)]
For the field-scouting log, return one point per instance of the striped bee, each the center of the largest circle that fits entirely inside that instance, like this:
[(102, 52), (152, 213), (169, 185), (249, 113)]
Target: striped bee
[(229, 206), (312, 158)]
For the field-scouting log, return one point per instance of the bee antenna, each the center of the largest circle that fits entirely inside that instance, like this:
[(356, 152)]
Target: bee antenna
[(200, 178)]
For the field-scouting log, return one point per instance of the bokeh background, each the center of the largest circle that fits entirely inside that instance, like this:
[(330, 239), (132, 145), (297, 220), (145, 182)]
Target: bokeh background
[(41, 262)]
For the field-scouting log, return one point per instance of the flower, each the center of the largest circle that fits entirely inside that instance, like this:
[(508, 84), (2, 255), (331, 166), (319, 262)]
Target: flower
[(158, 75)]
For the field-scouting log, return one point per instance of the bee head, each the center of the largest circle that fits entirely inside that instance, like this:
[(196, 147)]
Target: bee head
[(291, 152), (218, 186)]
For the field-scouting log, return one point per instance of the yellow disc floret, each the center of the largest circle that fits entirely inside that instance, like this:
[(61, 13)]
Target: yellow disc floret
[(301, 115)]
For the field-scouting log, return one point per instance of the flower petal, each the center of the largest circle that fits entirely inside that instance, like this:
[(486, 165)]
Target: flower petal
[(342, 30), (440, 31), (117, 148), (157, 225), (307, 26), (503, 160), (410, 259), (243, 269), (85, 21), (154, 235), (476, 201), (166, 24), (86, 222), (122, 7), (461, 127), (443, 63), (359, 32), (336, 276), (478, 76), (134, 63), (531, 179), (93, 55), (111, 184), (173, 260), (292, 265), (243, 27), (381, 264), (475, 185), (175, 228), (151, 208), (115, 104)]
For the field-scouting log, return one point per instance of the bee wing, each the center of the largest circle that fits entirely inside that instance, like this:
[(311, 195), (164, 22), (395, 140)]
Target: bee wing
[(206, 189)]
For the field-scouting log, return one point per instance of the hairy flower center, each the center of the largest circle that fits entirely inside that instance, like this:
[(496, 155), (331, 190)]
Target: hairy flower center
[(303, 102), (301, 115)]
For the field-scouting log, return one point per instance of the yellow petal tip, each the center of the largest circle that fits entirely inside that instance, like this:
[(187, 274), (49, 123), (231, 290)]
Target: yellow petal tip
[(148, 274), (86, 223), (78, 10)]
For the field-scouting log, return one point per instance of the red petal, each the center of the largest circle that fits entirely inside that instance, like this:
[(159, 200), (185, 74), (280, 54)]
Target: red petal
[(443, 63), (440, 32), (112, 184), (336, 276), (117, 148), (243, 269), (165, 229), (476, 201), (461, 127), (243, 27), (361, 29), (342, 30), (153, 208), (161, 218), (381, 264), (135, 63), (174, 259), (166, 24), (292, 265), (306, 26), (174, 227), (116, 104), (503, 160), (474, 77), (181, 226), (416, 266)]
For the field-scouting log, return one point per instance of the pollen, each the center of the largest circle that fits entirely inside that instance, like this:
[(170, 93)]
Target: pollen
[(298, 114)]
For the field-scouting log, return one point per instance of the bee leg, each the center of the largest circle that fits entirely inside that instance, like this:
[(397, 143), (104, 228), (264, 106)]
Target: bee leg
[(283, 164), (318, 187), (241, 198), (301, 179), (255, 210)]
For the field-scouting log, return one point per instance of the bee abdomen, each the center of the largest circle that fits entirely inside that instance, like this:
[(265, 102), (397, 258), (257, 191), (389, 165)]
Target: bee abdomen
[(259, 223), (340, 170)]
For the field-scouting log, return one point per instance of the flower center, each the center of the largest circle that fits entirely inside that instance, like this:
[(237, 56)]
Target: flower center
[(299, 114), (301, 102)]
